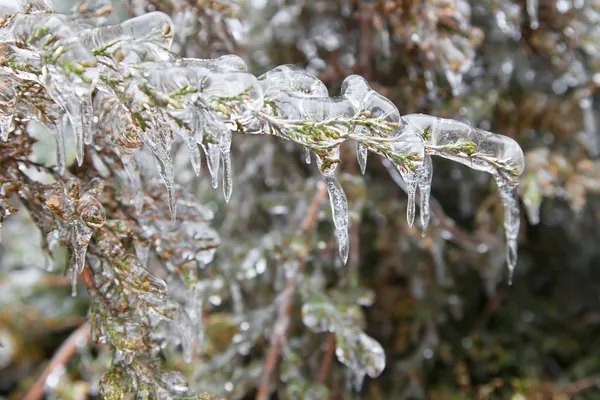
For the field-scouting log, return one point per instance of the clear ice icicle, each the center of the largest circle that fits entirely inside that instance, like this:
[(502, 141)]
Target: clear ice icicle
[(91, 215), (193, 150), (132, 170), (307, 156), (213, 157), (214, 131), (225, 146), (411, 190), (227, 176), (361, 155), (532, 10), (339, 211), (425, 176), (58, 132), (508, 195)]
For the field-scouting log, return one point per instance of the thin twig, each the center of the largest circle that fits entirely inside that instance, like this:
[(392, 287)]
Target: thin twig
[(326, 363), (62, 356), (580, 385), (285, 310)]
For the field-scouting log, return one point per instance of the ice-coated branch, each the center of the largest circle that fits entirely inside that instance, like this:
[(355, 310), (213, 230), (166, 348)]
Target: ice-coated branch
[(123, 82)]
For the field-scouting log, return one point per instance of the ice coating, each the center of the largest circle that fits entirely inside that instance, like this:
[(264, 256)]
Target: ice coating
[(51, 39), (147, 96), (293, 79), (362, 354), (35, 5), (372, 104), (8, 105), (498, 155), (449, 139), (226, 63), (142, 38)]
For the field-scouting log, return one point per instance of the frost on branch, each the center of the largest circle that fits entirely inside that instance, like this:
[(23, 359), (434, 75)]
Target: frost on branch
[(152, 94), (121, 86)]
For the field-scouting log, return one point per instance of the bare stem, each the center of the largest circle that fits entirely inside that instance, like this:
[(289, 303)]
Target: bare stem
[(285, 310), (327, 358), (62, 356)]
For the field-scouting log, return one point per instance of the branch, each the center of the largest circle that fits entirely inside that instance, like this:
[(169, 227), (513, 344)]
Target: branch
[(286, 308), (61, 357), (326, 364)]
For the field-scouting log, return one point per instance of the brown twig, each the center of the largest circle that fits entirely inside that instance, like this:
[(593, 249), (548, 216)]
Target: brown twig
[(285, 310), (580, 385), (326, 363), (62, 356)]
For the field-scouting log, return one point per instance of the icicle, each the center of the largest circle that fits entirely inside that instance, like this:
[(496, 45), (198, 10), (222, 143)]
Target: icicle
[(186, 335), (213, 158), (58, 132), (194, 151), (227, 176), (532, 10), (425, 176), (225, 146), (411, 191), (91, 216), (361, 154), (590, 126), (238, 301), (131, 167), (88, 120), (154, 138), (214, 130), (74, 275), (339, 210), (508, 195), (81, 238), (307, 156)]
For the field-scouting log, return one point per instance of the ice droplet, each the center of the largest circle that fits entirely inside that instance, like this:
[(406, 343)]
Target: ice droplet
[(339, 211), (307, 156), (362, 354)]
